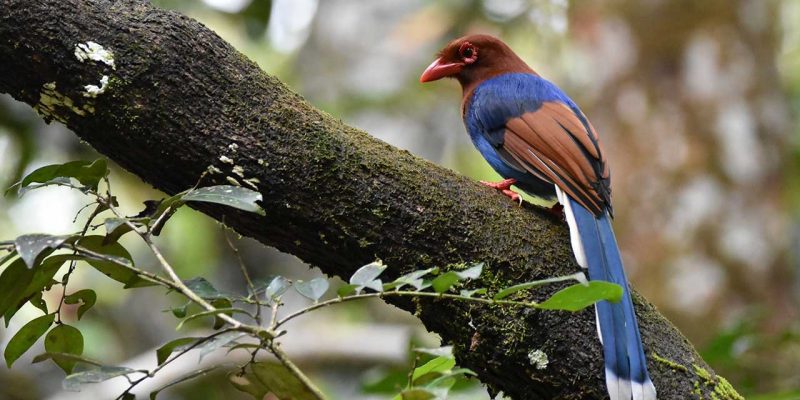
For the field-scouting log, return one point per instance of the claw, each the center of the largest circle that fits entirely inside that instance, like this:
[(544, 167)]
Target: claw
[(557, 210), (505, 188)]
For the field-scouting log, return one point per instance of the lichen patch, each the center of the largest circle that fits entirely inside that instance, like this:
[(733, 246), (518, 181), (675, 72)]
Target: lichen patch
[(93, 91), (52, 104), (538, 359), (226, 159), (238, 170), (95, 52), (252, 182)]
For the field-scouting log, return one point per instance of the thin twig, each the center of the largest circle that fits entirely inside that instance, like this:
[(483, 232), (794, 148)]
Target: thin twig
[(294, 370), (400, 293), (65, 279), (243, 267), (150, 374)]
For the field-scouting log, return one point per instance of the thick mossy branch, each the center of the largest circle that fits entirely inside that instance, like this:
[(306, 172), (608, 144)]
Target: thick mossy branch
[(178, 101)]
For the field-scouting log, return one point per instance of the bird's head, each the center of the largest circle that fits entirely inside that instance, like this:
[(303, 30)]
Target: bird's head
[(473, 59)]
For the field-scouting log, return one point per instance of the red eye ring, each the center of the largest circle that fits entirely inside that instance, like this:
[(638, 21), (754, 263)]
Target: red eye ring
[(468, 52)]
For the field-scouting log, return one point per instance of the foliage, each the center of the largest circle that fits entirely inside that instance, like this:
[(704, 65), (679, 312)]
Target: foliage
[(33, 261)]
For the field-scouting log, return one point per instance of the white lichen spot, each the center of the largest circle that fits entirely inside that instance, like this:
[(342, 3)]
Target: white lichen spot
[(233, 147), (225, 159), (232, 181), (94, 90), (94, 51), (238, 170), (260, 162), (214, 170), (538, 359), (252, 182)]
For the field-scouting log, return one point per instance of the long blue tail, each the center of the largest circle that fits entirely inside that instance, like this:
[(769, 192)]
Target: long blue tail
[(596, 249)]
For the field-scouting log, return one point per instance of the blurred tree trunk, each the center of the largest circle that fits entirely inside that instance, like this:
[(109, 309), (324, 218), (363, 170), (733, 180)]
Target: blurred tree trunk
[(178, 101)]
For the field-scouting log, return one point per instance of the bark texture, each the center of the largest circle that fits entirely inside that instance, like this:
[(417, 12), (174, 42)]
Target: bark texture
[(180, 100)]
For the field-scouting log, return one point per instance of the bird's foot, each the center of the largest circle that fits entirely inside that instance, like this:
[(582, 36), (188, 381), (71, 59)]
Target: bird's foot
[(504, 187), (557, 210)]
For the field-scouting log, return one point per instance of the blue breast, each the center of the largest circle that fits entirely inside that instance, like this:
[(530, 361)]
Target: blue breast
[(492, 104)]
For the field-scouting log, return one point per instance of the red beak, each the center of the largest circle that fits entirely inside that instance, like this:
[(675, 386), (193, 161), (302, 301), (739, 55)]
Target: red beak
[(438, 70)]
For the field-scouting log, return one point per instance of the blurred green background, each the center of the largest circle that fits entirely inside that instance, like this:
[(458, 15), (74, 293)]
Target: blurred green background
[(695, 102)]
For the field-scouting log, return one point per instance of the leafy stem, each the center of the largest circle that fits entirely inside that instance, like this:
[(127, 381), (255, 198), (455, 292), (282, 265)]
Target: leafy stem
[(408, 293)]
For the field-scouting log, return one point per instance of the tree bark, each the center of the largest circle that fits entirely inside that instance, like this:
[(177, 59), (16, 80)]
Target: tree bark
[(180, 100)]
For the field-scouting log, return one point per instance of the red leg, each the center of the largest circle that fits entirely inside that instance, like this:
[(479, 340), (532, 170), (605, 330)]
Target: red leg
[(505, 188)]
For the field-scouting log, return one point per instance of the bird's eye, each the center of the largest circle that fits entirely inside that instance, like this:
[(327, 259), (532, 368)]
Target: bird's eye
[(468, 52)]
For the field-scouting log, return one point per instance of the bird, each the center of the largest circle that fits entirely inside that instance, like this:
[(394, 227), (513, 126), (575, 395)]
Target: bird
[(539, 141)]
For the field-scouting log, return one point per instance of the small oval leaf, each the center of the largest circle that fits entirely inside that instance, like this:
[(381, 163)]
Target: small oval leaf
[(227, 195), (26, 337), (86, 298), (276, 288), (163, 352), (64, 339), (367, 273), (445, 281), (579, 296), (313, 289)]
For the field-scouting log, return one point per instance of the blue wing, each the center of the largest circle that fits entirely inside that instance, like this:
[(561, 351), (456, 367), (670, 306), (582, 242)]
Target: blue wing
[(529, 130)]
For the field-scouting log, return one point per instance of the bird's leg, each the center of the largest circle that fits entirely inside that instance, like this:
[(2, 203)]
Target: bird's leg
[(505, 187), (557, 210)]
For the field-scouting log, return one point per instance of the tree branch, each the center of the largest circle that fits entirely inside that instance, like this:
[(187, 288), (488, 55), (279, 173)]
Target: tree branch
[(179, 100)]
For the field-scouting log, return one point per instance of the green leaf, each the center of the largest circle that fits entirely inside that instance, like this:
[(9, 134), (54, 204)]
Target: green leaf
[(64, 357), (218, 341), (115, 228), (6, 258), (116, 262), (31, 246), (218, 311), (204, 289), (276, 288), (64, 339), (243, 346), (417, 394), (220, 304), (579, 296), (313, 289), (249, 384), (367, 275), (579, 276), (37, 301), (438, 364), (444, 351), (183, 378), (472, 272), (26, 337), (470, 293), (415, 278), (13, 282), (42, 279), (264, 377), (445, 281), (233, 196), (88, 173), (180, 311), (94, 374), (163, 352), (346, 290), (86, 298)]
